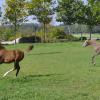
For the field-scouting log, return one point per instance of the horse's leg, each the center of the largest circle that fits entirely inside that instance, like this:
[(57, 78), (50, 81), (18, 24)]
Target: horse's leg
[(93, 57), (8, 72), (93, 62), (17, 67)]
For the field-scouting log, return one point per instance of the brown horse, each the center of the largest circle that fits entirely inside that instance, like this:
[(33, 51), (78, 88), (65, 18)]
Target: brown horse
[(10, 56), (96, 46)]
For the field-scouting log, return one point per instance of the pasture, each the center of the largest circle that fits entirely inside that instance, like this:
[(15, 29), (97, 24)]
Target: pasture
[(53, 71)]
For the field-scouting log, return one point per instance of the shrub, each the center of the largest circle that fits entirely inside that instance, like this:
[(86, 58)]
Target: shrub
[(14, 36), (30, 39), (62, 35), (5, 33), (83, 38)]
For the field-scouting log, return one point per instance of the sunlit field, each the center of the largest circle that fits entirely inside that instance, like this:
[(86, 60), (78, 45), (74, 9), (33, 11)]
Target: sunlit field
[(53, 71)]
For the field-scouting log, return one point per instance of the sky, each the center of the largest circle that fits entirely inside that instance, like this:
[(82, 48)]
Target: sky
[(1, 3)]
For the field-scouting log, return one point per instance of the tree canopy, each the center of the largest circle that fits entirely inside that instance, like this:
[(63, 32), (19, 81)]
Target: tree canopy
[(15, 11), (42, 10)]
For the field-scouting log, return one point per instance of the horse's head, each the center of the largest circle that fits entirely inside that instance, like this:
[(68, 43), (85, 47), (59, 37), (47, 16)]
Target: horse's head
[(89, 42), (86, 43)]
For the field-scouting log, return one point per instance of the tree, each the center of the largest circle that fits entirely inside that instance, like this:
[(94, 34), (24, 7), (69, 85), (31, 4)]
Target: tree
[(80, 16), (67, 11), (42, 10), (15, 11), (92, 14)]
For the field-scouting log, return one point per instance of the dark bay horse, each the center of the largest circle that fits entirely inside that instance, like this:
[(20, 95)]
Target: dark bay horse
[(96, 46), (12, 56)]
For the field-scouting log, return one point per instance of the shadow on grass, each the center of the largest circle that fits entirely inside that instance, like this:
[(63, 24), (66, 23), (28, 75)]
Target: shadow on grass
[(29, 78), (46, 75), (46, 53)]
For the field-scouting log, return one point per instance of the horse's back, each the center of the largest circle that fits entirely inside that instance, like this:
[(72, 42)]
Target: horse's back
[(13, 55)]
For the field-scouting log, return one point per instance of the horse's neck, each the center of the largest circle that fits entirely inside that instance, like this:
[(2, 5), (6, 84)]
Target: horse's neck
[(95, 44)]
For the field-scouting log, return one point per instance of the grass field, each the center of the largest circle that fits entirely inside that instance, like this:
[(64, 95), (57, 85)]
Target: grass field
[(53, 71)]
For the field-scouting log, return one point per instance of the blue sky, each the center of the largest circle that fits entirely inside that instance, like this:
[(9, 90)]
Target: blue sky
[(1, 3)]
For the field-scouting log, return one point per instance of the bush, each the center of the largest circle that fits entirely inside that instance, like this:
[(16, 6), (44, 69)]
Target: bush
[(62, 35), (5, 34), (54, 32), (14, 36), (83, 38), (30, 39)]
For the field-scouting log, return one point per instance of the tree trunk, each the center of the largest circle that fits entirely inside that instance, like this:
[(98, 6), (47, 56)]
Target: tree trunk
[(44, 29), (15, 27), (81, 36), (34, 30), (69, 29), (15, 32), (90, 29), (35, 37)]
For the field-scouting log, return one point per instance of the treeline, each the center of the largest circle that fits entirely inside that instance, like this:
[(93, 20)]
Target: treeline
[(72, 13)]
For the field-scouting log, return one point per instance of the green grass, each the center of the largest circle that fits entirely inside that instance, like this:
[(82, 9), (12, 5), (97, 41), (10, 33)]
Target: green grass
[(53, 71)]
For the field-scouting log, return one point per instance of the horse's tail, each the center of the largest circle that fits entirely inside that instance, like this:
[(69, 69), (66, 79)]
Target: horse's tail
[(29, 48)]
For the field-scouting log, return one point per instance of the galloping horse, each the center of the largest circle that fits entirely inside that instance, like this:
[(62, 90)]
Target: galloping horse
[(96, 46), (10, 56)]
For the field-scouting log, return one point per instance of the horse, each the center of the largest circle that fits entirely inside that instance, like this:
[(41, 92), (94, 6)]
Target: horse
[(96, 46), (12, 56)]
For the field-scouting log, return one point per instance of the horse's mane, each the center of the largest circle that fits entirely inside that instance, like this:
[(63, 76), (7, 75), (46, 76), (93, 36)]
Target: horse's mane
[(2, 47)]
